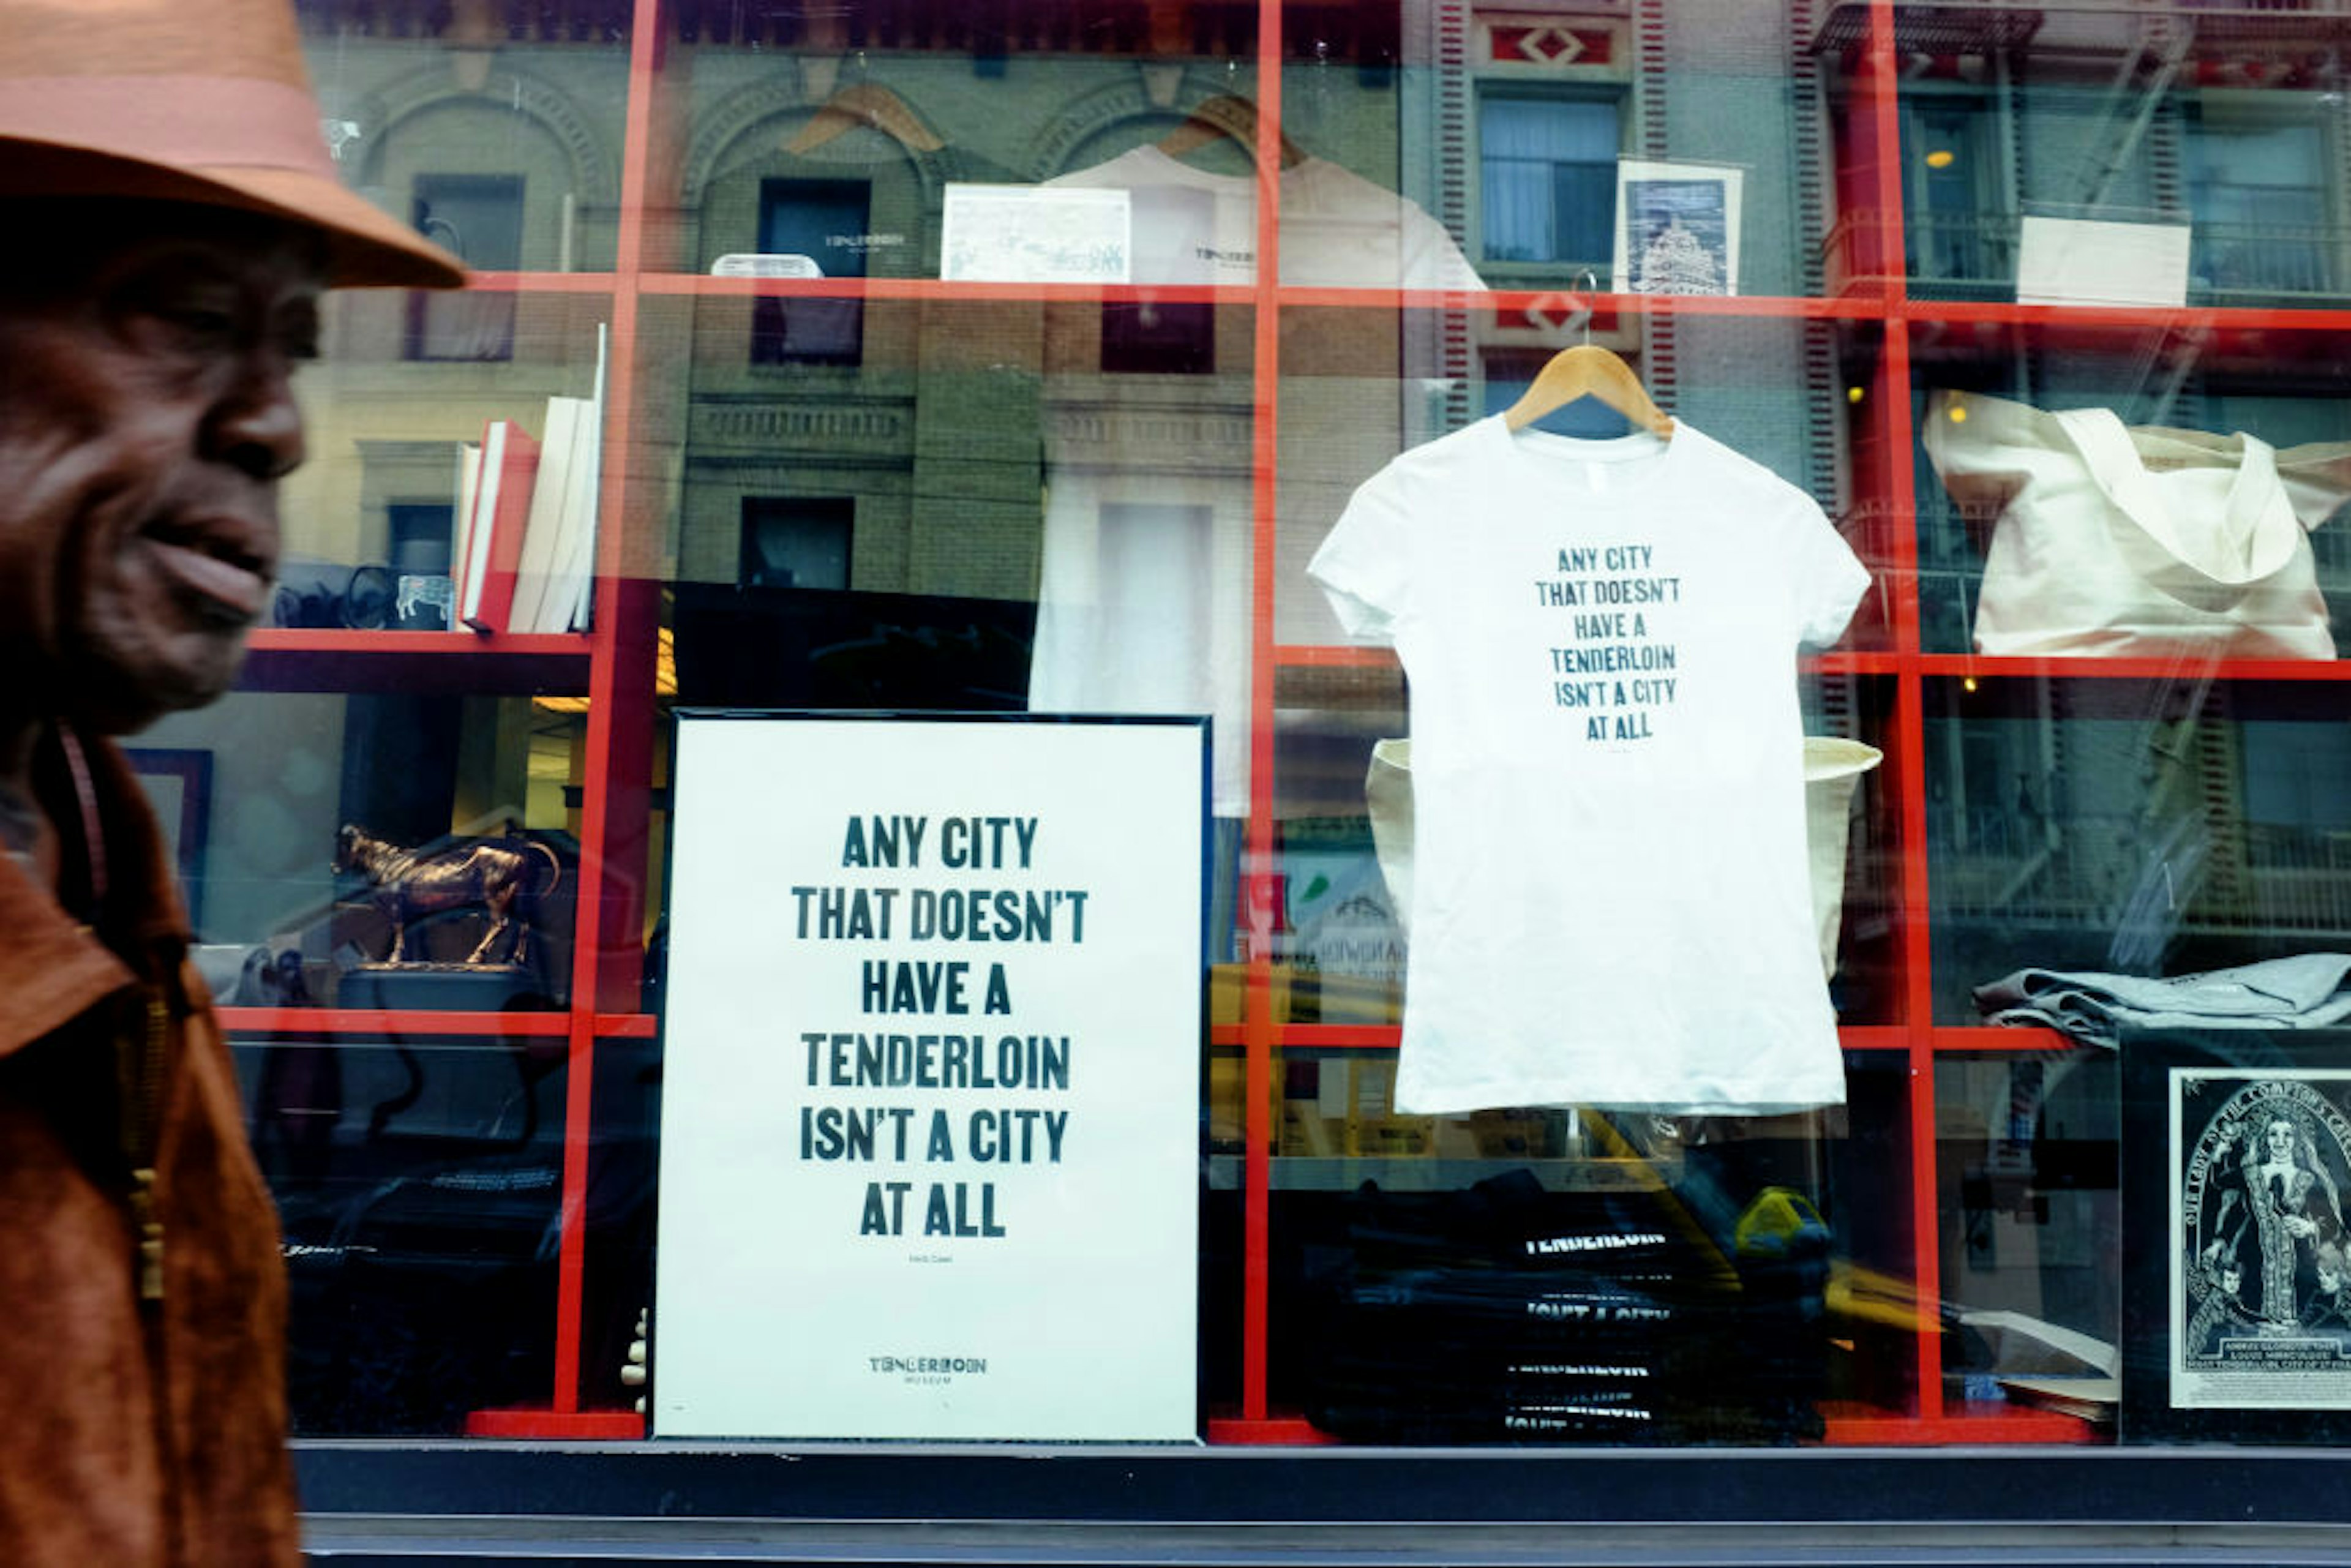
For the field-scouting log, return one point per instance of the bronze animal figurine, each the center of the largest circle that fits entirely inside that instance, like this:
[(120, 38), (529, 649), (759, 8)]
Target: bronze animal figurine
[(502, 877)]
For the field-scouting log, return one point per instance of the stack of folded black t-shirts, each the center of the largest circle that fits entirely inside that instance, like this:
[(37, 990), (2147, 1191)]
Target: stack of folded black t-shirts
[(1511, 1314)]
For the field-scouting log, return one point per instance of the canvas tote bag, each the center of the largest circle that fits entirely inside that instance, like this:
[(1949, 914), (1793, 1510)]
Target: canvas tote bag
[(2113, 541), (1833, 770)]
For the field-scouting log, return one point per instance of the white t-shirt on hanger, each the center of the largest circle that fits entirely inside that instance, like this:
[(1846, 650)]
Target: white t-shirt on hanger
[(1611, 904)]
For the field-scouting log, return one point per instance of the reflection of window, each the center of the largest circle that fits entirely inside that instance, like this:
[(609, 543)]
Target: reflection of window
[(1548, 178), (1157, 338), (2293, 801), (421, 535), (2256, 189), (1957, 224), (479, 218), (826, 221), (795, 542)]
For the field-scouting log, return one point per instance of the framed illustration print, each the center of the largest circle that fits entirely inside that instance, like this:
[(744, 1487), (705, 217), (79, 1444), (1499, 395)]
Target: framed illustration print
[(1676, 228), (2236, 1179)]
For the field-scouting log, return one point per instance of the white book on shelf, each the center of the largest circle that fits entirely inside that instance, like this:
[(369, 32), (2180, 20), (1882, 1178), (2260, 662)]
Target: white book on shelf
[(572, 580), (469, 472), (575, 536), (477, 471), (548, 495)]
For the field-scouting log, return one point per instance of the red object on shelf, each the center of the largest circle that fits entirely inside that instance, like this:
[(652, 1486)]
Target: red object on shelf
[(505, 507)]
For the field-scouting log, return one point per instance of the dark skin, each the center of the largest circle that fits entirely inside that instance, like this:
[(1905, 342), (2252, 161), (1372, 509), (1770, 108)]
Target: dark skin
[(147, 414)]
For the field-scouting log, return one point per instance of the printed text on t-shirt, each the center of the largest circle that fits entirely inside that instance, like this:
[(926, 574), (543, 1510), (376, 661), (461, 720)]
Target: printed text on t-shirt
[(1614, 669)]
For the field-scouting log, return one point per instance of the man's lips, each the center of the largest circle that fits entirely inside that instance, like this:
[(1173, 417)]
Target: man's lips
[(210, 564)]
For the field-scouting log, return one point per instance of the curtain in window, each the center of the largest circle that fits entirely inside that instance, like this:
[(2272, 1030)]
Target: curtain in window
[(1550, 178)]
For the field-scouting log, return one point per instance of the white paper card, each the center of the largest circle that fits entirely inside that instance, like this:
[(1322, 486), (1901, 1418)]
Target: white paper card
[(2097, 261), (1029, 234)]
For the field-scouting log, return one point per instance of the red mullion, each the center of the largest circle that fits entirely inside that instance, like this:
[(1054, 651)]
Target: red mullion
[(1907, 756), (2093, 319), (1875, 124), (1880, 125), (1261, 882), (953, 292), (2061, 667), (612, 810)]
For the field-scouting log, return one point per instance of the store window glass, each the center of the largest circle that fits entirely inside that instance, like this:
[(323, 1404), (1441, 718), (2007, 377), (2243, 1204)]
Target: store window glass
[(853, 461)]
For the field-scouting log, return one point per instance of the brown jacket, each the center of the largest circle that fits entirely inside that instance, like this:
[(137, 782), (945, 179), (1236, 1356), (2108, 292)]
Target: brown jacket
[(139, 1432)]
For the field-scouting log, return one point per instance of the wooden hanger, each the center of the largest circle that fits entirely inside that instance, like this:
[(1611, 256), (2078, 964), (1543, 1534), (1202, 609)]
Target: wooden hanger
[(1225, 115), (865, 104), (1587, 369)]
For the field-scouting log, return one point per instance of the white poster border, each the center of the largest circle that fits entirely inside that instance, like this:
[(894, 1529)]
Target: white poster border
[(1054, 1295)]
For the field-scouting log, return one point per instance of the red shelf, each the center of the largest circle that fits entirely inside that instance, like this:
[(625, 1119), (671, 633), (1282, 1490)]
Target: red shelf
[(1315, 656), (1852, 1037), (409, 1024), (687, 285), (542, 282), (280, 660), (562, 1426), (1853, 1427), (1499, 301), (2134, 320), (1978, 667)]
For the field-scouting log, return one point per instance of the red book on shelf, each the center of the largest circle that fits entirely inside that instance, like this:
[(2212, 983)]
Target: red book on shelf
[(501, 512)]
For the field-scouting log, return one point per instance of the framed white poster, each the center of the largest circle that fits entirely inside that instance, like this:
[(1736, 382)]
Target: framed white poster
[(930, 1115)]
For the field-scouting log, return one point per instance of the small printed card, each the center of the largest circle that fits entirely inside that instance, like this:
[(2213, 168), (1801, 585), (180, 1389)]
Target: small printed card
[(2097, 261), (1027, 234)]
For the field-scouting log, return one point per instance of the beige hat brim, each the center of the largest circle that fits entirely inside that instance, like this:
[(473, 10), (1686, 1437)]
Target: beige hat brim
[(366, 247)]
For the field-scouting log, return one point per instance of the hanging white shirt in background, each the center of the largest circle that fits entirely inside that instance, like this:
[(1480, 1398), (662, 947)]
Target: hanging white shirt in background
[(1611, 902), (1144, 596), (1338, 230)]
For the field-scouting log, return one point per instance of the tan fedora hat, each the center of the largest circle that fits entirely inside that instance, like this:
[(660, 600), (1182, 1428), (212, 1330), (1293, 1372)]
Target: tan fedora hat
[(188, 100)]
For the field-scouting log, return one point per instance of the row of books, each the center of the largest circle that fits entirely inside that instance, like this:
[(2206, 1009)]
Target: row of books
[(527, 518)]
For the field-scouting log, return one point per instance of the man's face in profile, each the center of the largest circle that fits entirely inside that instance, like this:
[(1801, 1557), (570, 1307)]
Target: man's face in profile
[(146, 415)]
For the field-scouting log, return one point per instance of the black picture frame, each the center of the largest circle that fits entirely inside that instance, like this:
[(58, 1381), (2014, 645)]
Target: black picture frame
[(2236, 1174)]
